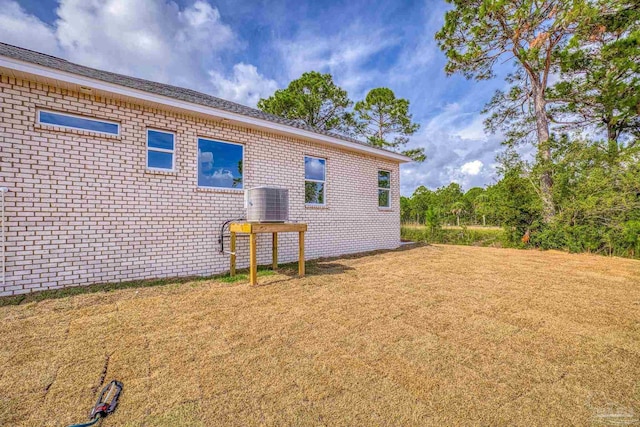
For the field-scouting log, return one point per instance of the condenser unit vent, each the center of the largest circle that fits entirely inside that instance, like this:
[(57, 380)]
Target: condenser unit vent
[(267, 204)]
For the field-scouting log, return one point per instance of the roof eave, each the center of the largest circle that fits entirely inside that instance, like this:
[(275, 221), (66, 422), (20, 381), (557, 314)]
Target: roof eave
[(75, 79)]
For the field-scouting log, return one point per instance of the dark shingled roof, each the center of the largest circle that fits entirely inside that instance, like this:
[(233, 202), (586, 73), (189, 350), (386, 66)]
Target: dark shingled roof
[(170, 91)]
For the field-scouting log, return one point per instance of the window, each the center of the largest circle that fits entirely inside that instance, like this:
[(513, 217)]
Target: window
[(384, 185), (160, 150), (77, 122), (219, 164), (314, 180)]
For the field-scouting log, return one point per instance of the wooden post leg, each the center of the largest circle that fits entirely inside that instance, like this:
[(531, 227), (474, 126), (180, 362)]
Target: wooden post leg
[(301, 254), (253, 263), (274, 251), (232, 269)]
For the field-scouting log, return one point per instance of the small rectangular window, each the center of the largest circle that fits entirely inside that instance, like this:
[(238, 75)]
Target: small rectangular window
[(71, 121), (160, 150), (219, 164), (314, 180), (384, 189)]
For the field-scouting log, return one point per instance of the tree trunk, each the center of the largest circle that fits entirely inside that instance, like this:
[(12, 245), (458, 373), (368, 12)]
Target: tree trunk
[(544, 150), (484, 221), (612, 149), (458, 220)]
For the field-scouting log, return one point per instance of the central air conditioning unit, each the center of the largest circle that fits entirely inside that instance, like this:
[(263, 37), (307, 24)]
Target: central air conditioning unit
[(267, 204)]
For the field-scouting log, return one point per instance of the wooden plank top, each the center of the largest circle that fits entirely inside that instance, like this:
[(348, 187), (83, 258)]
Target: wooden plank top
[(267, 227)]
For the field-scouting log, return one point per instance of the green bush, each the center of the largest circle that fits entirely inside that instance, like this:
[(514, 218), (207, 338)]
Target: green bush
[(631, 236), (618, 241)]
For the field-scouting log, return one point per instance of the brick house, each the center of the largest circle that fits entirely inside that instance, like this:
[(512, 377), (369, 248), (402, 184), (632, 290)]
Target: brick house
[(114, 178)]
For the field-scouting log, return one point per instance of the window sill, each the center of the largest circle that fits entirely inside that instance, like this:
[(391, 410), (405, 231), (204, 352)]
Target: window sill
[(306, 206), (54, 128), (383, 209), (220, 190)]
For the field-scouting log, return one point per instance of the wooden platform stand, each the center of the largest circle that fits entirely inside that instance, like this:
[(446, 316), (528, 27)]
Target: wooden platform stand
[(252, 229)]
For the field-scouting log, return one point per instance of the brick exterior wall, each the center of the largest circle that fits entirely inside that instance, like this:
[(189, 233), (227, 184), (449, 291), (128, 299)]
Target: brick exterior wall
[(82, 208)]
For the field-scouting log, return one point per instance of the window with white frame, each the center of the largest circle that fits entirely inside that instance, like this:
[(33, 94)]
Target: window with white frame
[(384, 189), (219, 164), (160, 150), (72, 121), (314, 181)]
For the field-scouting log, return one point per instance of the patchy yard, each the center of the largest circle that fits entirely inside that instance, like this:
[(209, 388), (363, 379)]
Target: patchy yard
[(436, 335)]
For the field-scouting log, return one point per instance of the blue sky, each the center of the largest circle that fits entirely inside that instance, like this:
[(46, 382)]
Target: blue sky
[(246, 50)]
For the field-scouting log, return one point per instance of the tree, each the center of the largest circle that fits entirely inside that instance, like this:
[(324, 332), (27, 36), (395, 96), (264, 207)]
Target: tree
[(598, 200), (385, 122), (469, 200), (313, 99), (599, 87), (445, 197), (478, 33), (457, 209), (238, 180), (421, 200), (432, 219), (510, 113), (481, 207), (406, 210), (517, 205)]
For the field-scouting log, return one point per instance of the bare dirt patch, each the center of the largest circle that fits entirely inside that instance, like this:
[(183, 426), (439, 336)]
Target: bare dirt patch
[(436, 335)]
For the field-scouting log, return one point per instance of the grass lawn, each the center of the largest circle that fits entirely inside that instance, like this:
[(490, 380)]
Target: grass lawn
[(434, 335)]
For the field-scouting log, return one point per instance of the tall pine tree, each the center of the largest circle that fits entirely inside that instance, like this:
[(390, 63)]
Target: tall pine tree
[(479, 33)]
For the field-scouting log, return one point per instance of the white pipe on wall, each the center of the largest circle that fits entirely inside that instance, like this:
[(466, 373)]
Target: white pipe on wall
[(2, 237)]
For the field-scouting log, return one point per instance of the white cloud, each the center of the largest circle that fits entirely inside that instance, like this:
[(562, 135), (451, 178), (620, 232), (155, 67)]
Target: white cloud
[(342, 54), (314, 168), (21, 29), (453, 154), (472, 168), (223, 174), (146, 38), (474, 130), (219, 178), (156, 40), (205, 157), (245, 86)]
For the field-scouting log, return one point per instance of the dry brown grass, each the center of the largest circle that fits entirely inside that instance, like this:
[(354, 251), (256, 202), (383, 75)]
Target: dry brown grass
[(455, 227), (437, 335), (472, 227)]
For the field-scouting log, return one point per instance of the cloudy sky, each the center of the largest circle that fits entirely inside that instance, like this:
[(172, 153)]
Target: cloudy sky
[(244, 50)]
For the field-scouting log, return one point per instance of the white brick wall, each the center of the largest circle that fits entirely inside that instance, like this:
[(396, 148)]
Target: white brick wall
[(83, 209)]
